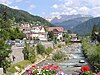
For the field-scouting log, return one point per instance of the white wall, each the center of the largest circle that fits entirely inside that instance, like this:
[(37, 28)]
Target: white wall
[(1, 71)]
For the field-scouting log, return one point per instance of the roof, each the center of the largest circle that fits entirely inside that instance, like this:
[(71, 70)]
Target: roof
[(60, 29)]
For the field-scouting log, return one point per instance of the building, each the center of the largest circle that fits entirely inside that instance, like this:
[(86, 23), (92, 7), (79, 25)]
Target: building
[(34, 32), (25, 28), (38, 32), (58, 31), (74, 38)]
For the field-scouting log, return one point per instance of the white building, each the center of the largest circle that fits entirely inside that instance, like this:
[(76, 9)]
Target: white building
[(39, 32)]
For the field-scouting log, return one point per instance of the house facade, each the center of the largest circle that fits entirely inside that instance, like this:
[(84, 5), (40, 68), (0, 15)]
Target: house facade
[(74, 38), (34, 32), (25, 28), (58, 31), (38, 32)]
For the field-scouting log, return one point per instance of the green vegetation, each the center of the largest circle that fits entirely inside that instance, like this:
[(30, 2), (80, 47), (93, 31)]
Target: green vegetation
[(5, 50), (20, 65), (58, 56), (12, 34), (55, 40), (59, 45), (20, 16), (29, 53), (95, 33), (85, 28), (88, 73), (66, 38), (50, 35), (40, 49), (48, 50), (92, 53), (6, 30)]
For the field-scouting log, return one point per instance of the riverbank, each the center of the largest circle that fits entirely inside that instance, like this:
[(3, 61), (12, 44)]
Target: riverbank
[(68, 66), (39, 60)]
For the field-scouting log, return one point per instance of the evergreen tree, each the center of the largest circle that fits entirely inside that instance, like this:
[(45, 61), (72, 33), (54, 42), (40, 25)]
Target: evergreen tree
[(5, 50), (93, 35), (50, 35), (5, 22), (26, 51)]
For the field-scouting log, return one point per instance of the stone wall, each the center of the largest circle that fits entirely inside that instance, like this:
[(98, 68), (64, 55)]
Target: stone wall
[(17, 53), (47, 44)]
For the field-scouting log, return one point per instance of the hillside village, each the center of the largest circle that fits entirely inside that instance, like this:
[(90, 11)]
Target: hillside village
[(49, 37), (35, 36), (30, 45)]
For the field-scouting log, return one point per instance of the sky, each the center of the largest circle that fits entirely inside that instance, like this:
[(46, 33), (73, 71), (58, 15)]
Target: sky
[(46, 8)]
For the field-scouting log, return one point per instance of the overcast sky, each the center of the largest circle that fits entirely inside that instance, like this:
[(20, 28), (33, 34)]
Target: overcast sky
[(56, 7)]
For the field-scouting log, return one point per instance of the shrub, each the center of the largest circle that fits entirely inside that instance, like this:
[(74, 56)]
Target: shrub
[(32, 58), (40, 49), (92, 53), (48, 50), (59, 45), (58, 56)]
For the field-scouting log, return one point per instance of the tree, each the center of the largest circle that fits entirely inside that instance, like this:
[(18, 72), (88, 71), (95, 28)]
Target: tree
[(5, 50), (40, 49), (51, 35), (55, 40), (29, 53), (93, 35), (5, 22), (32, 56), (26, 51)]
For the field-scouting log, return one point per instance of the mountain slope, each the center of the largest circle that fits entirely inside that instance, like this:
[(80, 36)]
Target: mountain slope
[(70, 24), (85, 28), (62, 18), (22, 16)]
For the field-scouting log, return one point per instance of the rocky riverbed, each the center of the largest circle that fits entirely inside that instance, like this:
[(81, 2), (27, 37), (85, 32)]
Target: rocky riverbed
[(74, 53)]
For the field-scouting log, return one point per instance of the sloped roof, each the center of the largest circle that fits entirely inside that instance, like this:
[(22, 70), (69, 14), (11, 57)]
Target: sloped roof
[(60, 29)]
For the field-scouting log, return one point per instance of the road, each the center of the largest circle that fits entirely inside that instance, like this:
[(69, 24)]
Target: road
[(68, 66)]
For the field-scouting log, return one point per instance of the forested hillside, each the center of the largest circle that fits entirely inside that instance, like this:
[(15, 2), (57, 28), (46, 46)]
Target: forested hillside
[(22, 16), (85, 28)]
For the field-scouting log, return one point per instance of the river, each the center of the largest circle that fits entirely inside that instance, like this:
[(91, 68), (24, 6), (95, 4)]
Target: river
[(75, 54)]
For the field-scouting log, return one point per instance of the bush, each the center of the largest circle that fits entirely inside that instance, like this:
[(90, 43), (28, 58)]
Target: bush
[(59, 45), (92, 52), (32, 58), (40, 49), (88, 73), (49, 50), (58, 56)]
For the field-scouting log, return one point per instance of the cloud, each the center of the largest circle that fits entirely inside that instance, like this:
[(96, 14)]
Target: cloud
[(78, 7), (14, 7), (6, 1), (18, 0), (56, 13), (31, 7), (95, 11), (55, 6), (8, 4)]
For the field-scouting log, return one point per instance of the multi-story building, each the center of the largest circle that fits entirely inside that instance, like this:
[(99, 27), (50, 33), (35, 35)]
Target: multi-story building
[(58, 31)]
